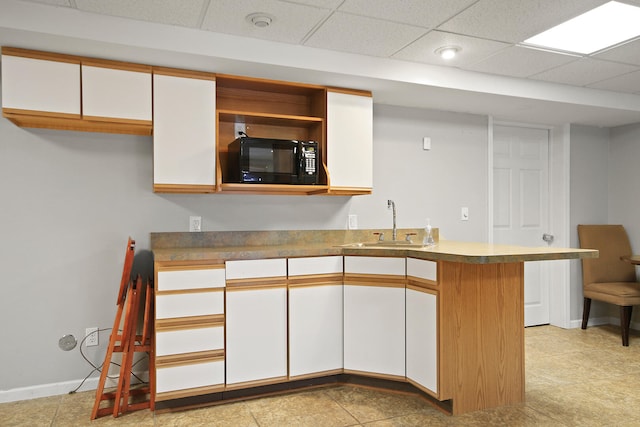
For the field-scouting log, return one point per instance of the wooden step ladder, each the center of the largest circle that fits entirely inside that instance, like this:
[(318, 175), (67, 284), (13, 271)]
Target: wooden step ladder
[(124, 339)]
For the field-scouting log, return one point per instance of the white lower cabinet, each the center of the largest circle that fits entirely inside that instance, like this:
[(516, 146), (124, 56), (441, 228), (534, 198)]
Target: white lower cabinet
[(315, 315), (189, 330), (422, 325), (256, 321), (374, 315)]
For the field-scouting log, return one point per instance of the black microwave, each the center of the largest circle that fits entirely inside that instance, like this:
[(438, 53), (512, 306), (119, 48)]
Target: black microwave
[(273, 161)]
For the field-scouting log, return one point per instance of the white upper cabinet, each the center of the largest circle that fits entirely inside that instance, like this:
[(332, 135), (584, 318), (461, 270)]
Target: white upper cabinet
[(349, 140), (42, 86), (116, 94), (184, 133)]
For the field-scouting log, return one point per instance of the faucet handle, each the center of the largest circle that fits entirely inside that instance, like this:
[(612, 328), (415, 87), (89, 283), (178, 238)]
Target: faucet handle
[(380, 236), (407, 237)]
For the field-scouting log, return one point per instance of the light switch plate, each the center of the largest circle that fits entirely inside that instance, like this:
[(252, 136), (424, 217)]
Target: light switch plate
[(353, 222), (195, 223)]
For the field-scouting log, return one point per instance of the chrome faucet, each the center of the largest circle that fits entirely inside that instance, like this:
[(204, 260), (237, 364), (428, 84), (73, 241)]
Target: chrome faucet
[(392, 205)]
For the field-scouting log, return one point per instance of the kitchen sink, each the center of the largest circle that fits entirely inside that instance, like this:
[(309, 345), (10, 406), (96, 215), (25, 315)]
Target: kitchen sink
[(399, 244)]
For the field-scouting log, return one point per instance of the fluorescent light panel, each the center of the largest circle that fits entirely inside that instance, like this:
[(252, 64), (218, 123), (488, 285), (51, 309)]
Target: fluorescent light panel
[(599, 28)]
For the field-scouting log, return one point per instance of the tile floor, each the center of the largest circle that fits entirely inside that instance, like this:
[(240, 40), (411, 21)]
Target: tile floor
[(574, 378)]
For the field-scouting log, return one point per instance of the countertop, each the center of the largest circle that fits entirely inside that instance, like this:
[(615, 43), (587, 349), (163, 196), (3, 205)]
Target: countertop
[(222, 246)]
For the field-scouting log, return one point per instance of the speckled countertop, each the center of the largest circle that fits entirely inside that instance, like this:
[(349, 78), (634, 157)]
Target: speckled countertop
[(216, 246)]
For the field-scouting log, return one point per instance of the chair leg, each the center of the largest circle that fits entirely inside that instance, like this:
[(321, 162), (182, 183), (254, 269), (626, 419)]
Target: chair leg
[(625, 322), (585, 312)]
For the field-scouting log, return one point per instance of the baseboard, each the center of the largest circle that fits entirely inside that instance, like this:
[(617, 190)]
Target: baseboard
[(602, 321), (56, 389), (45, 390)]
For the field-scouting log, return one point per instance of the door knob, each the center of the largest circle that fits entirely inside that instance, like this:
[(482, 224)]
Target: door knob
[(547, 238)]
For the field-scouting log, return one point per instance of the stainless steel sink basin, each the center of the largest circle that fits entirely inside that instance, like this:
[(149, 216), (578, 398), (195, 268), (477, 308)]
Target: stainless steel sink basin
[(396, 244)]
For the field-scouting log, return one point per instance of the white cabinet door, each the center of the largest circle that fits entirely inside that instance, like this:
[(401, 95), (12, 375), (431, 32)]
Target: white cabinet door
[(256, 328), (422, 335), (41, 86), (374, 316), (315, 315), (350, 140), (109, 93), (184, 134)]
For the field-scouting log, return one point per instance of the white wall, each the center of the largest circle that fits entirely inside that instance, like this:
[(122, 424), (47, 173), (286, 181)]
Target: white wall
[(71, 199), (589, 200)]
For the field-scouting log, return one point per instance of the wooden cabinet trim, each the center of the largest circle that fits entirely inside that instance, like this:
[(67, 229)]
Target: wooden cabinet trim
[(257, 383), (177, 72), (316, 280), (256, 283), (388, 280), (116, 65), (172, 360), (358, 92), (196, 391), (37, 54), (419, 283), (191, 322), (183, 188), (132, 122)]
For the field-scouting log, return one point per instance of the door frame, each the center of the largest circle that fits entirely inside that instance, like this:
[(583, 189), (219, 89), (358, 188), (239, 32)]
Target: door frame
[(559, 204)]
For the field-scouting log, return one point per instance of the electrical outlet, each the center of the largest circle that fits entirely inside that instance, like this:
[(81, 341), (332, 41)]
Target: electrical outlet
[(92, 337), (195, 223), (353, 222), (239, 127)]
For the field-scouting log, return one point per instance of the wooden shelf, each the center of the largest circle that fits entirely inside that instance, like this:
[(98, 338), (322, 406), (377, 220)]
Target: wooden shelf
[(269, 119), (273, 189)]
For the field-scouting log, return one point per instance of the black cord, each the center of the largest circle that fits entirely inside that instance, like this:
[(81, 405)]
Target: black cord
[(99, 368)]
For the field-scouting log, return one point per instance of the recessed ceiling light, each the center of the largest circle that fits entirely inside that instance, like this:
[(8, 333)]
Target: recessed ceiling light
[(448, 52), (260, 20), (602, 27)]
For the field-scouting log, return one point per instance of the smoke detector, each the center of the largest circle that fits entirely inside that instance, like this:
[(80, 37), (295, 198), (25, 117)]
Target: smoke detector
[(260, 19)]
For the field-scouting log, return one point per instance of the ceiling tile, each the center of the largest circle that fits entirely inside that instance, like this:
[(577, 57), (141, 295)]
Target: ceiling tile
[(363, 35), (629, 83), (520, 62), (472, 49), (584, 71), (628, 53), (326, 4), (292, 22), (53, 2), (515, 20), (422, 13), (183, 13)]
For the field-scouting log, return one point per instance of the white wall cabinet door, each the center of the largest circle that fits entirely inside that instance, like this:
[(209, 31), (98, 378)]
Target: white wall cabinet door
[(315, 315), (256, 328), (374, 316), (41, 86), (184, 134), (350, 140), (109, 93)]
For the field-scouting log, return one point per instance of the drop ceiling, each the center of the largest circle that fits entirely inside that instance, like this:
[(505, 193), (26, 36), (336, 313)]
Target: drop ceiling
[(384, 45)]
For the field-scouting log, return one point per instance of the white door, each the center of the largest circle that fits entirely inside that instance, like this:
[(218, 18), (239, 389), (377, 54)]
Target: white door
[(521, 206)]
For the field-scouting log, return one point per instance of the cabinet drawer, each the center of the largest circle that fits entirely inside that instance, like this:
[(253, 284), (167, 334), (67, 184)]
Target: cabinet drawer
[(191, 279), (256, 268), (315, 265), (422, 268), (189, 340), (374, 265), (199, 374), (189, 304)]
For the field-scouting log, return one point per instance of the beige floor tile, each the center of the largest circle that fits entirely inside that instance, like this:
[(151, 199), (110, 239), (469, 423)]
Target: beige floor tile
[(368, 405), (307, 408), (232, 414), (35, 413)]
